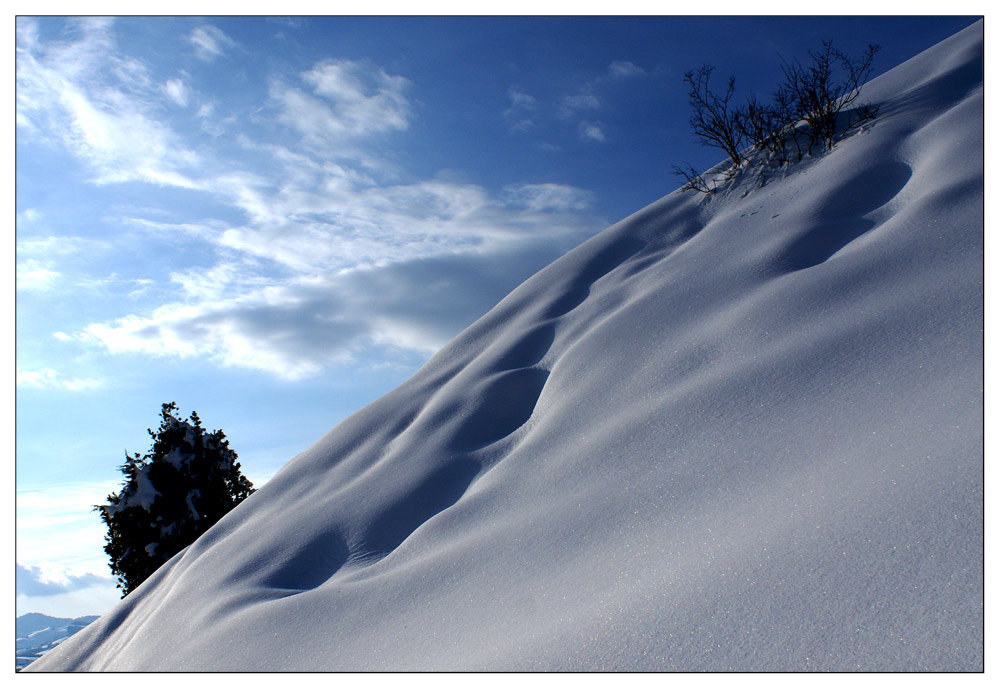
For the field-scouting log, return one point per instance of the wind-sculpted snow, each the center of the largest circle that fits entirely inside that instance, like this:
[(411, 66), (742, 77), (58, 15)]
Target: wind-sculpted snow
[(846, 214), (741, 432)]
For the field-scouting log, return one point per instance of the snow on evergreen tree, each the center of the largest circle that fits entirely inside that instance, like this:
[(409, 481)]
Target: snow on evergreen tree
[(187, 482)]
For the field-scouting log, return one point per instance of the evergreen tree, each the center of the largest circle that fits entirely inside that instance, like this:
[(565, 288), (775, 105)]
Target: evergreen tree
[(187, 482)]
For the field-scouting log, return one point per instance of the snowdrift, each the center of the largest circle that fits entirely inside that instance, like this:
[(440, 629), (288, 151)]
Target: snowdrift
[(733, 433)]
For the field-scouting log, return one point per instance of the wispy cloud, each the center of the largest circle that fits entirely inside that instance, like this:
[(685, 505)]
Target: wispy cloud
[(579, 102), (34, 275), (29, 215), (52, 379), (55, 246), (79, 92), (52, 263), (348, 100), (591, 131), (549, 197), (176, 91), (519, 115), (622, 69), (211, 122), (587, 100), (210, 42), (286, 22)]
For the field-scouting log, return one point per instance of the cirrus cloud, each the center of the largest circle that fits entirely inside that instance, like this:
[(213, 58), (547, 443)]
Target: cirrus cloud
[(80, 92), (49, 378), (585, 102), (210, 42), (348, 100), (519, 115)]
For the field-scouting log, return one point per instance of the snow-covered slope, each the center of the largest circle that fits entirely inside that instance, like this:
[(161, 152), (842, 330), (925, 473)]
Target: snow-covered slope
[(738, 433)]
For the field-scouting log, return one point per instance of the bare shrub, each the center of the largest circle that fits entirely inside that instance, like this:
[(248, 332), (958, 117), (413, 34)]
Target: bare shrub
[(693, 180), (714, 120), (826, 89), (766, 126), (816, 104)]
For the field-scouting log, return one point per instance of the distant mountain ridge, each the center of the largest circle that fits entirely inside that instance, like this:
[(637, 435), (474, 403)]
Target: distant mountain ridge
[(38, 633), (741, 432)]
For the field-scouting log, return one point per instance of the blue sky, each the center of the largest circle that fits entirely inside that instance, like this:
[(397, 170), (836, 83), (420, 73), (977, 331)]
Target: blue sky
[(275, 221)]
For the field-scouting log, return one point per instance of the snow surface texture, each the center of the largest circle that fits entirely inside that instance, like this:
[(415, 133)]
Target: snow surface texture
[(736, 433)]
